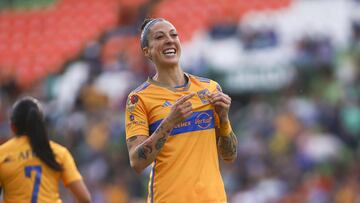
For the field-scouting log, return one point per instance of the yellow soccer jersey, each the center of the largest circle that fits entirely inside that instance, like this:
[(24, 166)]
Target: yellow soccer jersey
[(24, 178), (187, 168)]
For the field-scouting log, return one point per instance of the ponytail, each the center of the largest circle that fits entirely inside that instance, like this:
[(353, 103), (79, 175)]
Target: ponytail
[(28, 120), (39, 140)]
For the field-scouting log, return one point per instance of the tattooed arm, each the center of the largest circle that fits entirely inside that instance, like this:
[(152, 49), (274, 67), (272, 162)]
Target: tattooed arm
[(227, 143), (143, 150), (226, 139)]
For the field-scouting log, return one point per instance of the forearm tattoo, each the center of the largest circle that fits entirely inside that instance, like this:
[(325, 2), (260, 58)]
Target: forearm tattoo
[(130, 141), (228, 146), (144, 151), (160, 143)]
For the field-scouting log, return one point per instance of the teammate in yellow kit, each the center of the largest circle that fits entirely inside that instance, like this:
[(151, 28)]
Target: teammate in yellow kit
[(179, 124), (31, 165)]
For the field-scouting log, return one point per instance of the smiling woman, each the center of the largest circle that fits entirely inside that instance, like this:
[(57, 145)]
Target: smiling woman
[(178, 123), (164, 49)]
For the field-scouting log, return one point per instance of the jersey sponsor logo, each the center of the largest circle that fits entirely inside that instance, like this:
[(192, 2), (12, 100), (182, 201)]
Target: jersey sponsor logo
[(200, 120), (131, 103), (132, 123), (203, 120), (183, 124), (203, 95)]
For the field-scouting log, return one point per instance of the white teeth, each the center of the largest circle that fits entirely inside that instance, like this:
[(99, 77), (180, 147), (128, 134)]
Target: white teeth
[(170, 51)]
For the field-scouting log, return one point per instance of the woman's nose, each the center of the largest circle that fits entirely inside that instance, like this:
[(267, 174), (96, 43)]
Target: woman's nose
[(169, 39)]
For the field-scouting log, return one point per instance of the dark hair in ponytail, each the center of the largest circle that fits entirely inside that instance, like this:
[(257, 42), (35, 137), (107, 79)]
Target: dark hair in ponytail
[(28, 120)]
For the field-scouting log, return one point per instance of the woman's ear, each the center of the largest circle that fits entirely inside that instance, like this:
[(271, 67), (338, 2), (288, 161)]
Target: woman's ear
[(147, 53)]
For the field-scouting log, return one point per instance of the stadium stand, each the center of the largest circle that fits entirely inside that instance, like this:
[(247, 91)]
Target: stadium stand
[(294, 83)]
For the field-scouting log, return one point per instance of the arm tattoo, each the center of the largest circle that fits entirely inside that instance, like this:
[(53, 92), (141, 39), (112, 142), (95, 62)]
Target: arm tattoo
[(143, 151), (148, 148), (130, 140), (160, 143), (228, 146)]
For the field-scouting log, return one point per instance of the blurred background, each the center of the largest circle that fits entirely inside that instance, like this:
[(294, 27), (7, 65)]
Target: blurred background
[(292, 68)]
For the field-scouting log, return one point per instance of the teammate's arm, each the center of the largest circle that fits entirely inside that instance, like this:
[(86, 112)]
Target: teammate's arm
[(226, 139), (80, 191), (72, 179), (143, 150)]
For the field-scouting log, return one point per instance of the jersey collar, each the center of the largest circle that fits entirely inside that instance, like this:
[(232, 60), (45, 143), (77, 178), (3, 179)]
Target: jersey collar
[(184, 87)]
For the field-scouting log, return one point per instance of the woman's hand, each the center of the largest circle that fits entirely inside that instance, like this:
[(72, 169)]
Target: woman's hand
[(181, 110), (222, 104)]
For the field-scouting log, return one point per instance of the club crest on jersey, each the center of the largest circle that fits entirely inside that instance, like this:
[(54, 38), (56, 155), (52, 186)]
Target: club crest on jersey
[(203, 95), (132, 102)]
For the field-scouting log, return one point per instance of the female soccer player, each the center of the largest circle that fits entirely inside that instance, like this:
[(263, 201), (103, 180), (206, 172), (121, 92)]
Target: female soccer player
[(178, 123), (31, 165)]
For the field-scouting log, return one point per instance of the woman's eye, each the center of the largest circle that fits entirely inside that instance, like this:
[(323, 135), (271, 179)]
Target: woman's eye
[(159, 37), (174, 34)]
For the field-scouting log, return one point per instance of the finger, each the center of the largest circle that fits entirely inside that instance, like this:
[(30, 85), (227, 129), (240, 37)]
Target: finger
[(227, 96), (212, 95), (185, 98), (216, 97), (186, 109), (226, 100), (186, 104), (223, 94), (221, 99), (222, 104), (218, 94), (186, 115)]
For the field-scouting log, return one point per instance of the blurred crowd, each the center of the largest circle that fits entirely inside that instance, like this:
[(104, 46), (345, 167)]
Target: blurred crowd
[(299, 143)]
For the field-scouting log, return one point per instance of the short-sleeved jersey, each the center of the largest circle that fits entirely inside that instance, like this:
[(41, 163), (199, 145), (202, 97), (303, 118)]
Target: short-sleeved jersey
[(187, 167), (25, 178)]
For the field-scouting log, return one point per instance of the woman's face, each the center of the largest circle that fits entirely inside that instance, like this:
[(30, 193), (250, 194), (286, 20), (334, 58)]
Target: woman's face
[(163, 44)]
